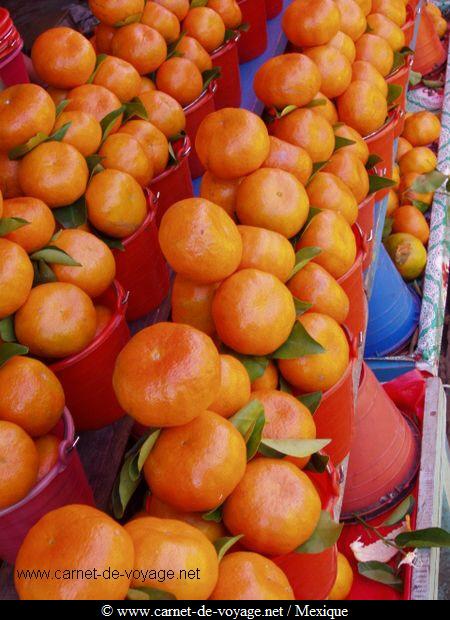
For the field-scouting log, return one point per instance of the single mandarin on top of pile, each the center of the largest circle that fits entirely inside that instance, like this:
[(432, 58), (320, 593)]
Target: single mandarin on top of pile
[(364, 71), (318, 372), (164, 112), (363, 107), (253, 312), (167, 374), (377, 51), (408, 219), (190, 48), (82, 537), (220, 191), (232, 142), (289, 157), (421, 128), (200, 240), (408, 254), (387, 29), (119, 76), (192, 304), (334, 68), (95, 100), (395, 10), (353, 21), (275, 506), (183, 471), (16, 277), (181, 79), (152, 140), (84, 133), (247, 576), (307, 23), (38, 404), (63, 58), (161, 19), (141, 46), (327, 191), (179, 7), (124, 152), (350, 169), (25, 110), (58, 319), (206, 26), (229, 11), (360, 148), (309, 130), (266, 250), (289, 79), (234, 390), (344, 579), (116, 12), (41, 223)]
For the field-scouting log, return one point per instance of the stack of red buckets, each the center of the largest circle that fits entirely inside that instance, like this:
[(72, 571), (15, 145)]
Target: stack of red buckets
[(12, 66)]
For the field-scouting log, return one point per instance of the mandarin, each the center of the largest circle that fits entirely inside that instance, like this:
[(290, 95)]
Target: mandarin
[(377, 51), (192, 304), (328, 191), (116, 12), (363, 107), (353, 21), (365, 71), (190, 48), (9, 176), (41, 223), (268, 380), (419, 159), (164, 112), (311, 22), (84, 133), (96, 100), (48, 453), (118, 76), (334, 68), (141, 46), (387, 29), (122, 151), (16, 277), (350, 169), (344, 579), (179, 7), (161, 19), (344, 44), (153, 142), (206, 26), (422, 128), (289, 157), (234, 391), (229, 11), (408, 219), (266, 250), (181, 79), (19, 464), (309, 130), (220, 191), (359, 148)]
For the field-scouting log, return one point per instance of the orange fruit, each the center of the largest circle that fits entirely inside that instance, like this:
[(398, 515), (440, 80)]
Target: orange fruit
[(327, 191), (84, 133), (408, 254), (48, 453), (311, 22), (351, 171), (183, 471), (268, 380), (1, 204), (253, 312), (419, 159), (326, 108), (220, 191), (408, 219), (103, 38), (114, 13), (395, 10), (104, 316), (191, 49), (58, 319), (54, 172), (9, 176), (290, 158), (167, 374), (266, 250), (330, 231), (141, 46), (289, 79), (121, 151), (211, 529), (365, 71), (334, 68), (406, 194), (153, 142), (192, 304), (377, 51), (318, 372), (441, 27), (16, 277), (39, 404), (344, 44), (316, 286), (353, 21), (229, 11), (387, 29), (63, 58), (18, 464), (234, 391), (120, 77), (232, 142), (309, 130), (57, 94), (161, 19), (360, 148), (164, 112), (363, 107), (392, 202), (344, 579), (365, 6), (275, 506), (421, 128), (115, 202), (170, 545), (147, 85), (179, 7), (41, 223), (200, 240), (25, 110), (97, 264), (80, 537), (286, 418), (181, 79), (247, 576), (403, 146), (433, 11), (274, 199), (97, 101), (206, 26), (395, 175)]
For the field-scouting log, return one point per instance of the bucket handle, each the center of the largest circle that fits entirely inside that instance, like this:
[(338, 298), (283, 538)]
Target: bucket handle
[(65, 448), (122, 297), (185, 149)]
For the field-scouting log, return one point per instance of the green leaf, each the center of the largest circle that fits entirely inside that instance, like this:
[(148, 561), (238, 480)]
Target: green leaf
[(403, 509), (301, 306), (244, 27), (433, 84), (373, 161), (173, 159), (303, 256), (394, 92), (19, 151), (387, 227), (209, 75), (318, 463), (131, 19), (213, 515), (324, 536), (376, 183), (141, 454), (311, 400), (100, 58), (124, 488), (10, 224), (420, 539), (133, 108), (277, 448), (108, 122), (317, 167), (94, 163), (314, 103), (254, 365), (429, 182), (54, 255), (414, 77), (422, 206), (284, 385), (43, 273), (229, 34), (399, 61), (298, 344), (254, 441), (61, 107), (73, 215), (222, 545), (60, 133), (197, 3), (10, 349), (380, 572), (111, 242), (7, 333), (340, 142), (149, 594), (245, 419), (286, 110)]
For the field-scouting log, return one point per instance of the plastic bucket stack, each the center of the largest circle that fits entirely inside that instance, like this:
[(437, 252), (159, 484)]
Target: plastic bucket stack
[(381, 143), (353, 284), (12, 66), (195, 112), (408, 26), (228, 93), (253, 43), (429, 50), (401, 78)]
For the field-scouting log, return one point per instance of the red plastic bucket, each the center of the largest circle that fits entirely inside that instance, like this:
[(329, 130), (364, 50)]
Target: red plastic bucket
[(366, 223), (195, 112), (312, 575), (12, 65), (65, 483), (381, 143), (87, 376), (273, 8), (429, 50), (142, 268), (408, 26), (353, 284), (401, 78), (228, 93), (174, 183), (253, 43)]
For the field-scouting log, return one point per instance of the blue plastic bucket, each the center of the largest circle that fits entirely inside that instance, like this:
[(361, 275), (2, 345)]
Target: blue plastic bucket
[(394, 310)]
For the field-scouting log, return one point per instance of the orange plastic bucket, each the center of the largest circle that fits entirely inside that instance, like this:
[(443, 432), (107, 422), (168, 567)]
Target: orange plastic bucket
[(228, 93), (253, 43), (353, 284), (381, 143), (429, 50), (87, 376), (408, 26), (195, 112), (366, 223), (401, 78)]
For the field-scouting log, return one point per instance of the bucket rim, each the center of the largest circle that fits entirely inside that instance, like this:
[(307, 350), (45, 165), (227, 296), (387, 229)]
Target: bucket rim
[(183, 149), (225, 47), (402, 69), (8, 54), (152, 206), (361, 245), (388, 125), (206, 95)]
